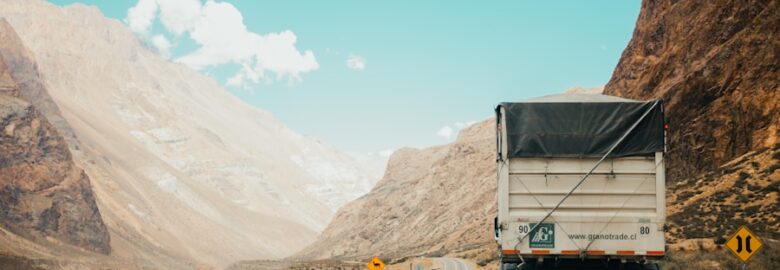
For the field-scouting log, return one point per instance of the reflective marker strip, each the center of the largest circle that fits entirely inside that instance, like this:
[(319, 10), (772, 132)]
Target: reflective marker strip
[(534, 251), (577, 252), (595, 252)]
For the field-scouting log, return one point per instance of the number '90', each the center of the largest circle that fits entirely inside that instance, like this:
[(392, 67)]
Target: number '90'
[(523, 228)]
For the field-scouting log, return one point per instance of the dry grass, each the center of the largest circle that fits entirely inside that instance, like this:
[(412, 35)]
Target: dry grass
[(767, 258), (745, 191)]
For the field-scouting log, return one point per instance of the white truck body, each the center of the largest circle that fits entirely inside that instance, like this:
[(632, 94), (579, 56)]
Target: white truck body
[(617, 212)]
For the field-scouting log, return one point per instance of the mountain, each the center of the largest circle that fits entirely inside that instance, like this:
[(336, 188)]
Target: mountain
[(181, 169), (435, 200), (721, 83), (45, 197), (50, 218)]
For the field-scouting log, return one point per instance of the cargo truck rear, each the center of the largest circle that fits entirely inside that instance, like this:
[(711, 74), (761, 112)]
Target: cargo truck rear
[(580, 179)]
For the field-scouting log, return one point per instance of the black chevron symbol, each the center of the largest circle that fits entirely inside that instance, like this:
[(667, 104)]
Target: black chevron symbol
[(747, 244), (739, 244)]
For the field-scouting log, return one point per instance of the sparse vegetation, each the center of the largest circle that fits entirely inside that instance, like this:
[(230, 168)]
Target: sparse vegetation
[(767, 258), (743, 176), (486, 257), (755, 164), (685, 195), (772, 168), (773, 187), (730, 170)]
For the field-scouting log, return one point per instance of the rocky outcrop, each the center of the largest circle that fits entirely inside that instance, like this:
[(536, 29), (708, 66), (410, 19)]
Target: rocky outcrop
[(24, 71), (432, 201), (42, 192), (717, 65)]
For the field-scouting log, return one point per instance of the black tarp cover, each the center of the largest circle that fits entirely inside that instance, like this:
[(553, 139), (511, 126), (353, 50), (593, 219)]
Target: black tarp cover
[(582, 125)]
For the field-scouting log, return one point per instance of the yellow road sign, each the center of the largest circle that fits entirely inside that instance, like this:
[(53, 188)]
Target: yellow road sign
[(744, 244), (376, 264)]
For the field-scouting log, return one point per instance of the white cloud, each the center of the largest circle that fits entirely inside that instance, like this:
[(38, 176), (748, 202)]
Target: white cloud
[(180, 16), (162, 45), (177, 16), (218, 29), (140, 17), (356, 62), (445, 132)]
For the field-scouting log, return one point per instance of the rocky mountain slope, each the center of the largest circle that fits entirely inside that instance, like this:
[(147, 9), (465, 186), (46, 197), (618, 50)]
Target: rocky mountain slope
[(181, 168), (431, 201), (23, 68), (44, 196), (721, 81), (50, 216), (721, 76)]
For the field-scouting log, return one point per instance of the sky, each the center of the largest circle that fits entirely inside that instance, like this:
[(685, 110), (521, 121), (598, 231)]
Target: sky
[(369, 76)]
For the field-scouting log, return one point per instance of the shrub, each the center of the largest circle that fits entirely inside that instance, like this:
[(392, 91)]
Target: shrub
[(741, 179), (755, 164), (685, 195), (772, 168), (773, 187)]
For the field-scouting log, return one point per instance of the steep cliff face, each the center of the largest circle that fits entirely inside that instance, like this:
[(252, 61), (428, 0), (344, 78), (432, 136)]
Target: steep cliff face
[(42, 192), (436, 200), (717, 64)]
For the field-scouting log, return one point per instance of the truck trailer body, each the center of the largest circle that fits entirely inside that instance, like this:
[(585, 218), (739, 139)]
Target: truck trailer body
[(580, 177)]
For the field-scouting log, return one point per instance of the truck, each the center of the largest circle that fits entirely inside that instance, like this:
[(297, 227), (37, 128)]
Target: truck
[(581, 181)]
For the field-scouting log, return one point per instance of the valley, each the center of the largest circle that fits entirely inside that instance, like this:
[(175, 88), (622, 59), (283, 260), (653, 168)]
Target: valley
[(115, 156)]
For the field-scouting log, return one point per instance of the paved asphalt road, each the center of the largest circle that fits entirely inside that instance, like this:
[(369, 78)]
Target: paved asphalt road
[(452, 264)]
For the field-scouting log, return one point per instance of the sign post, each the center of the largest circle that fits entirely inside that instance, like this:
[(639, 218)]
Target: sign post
[(744, 244)]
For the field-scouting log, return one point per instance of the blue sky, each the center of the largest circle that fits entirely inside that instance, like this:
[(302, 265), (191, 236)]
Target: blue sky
[(427, 64)]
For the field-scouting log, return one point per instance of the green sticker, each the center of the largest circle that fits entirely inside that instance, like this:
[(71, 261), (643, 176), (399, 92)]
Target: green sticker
[(543, 236)]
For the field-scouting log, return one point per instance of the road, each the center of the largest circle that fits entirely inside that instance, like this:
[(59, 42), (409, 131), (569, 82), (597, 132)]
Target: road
[(452, 264)]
